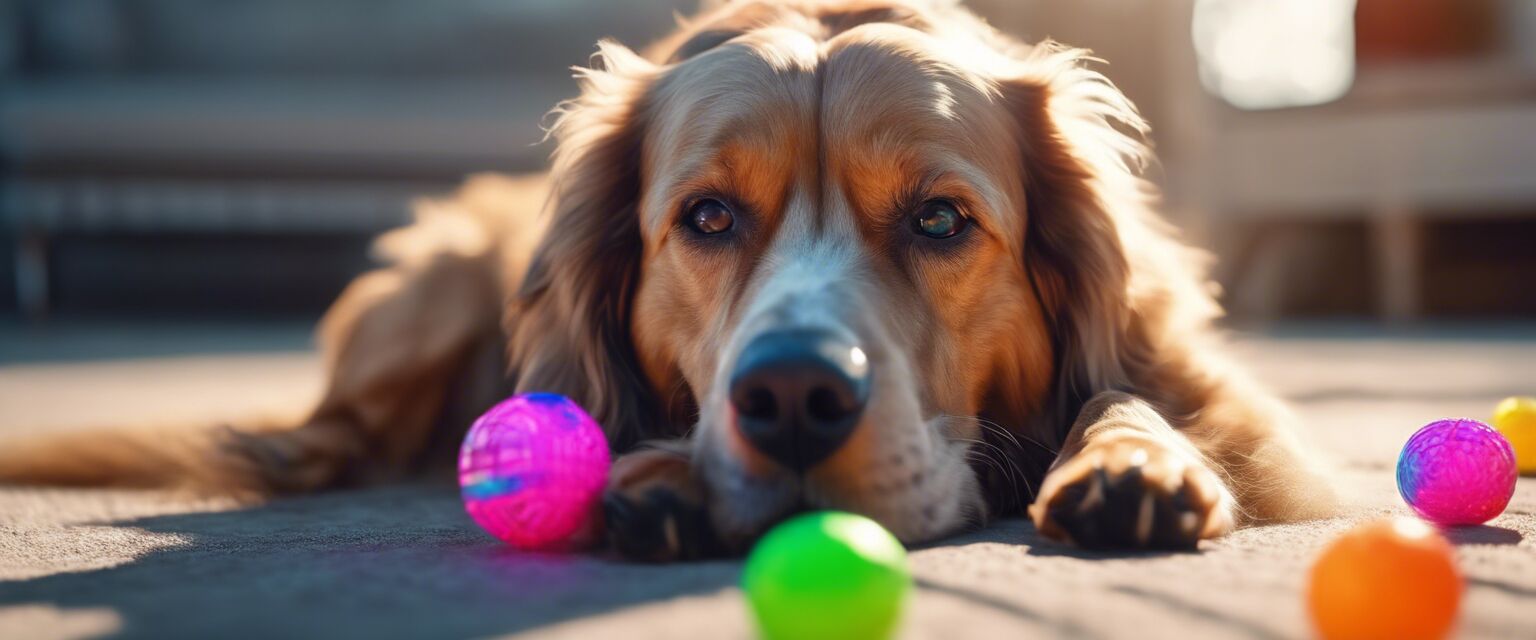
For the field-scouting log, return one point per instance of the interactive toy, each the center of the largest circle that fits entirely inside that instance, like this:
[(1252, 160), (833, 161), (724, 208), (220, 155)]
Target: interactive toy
[(1516, 419), (532, 471), (827, 575), (1393, 578), (1457, 472)]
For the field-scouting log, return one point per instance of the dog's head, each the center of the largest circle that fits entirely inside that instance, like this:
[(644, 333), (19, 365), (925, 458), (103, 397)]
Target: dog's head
[(842, 243)]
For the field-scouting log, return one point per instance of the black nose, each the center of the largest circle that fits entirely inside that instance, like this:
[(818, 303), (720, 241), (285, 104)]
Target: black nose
[(798, 394)]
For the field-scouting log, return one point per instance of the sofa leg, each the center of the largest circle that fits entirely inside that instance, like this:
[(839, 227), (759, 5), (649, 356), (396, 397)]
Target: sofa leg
[(32, 275)]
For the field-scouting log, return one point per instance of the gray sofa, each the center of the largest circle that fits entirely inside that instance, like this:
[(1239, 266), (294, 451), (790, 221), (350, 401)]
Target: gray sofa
[(272, 117)]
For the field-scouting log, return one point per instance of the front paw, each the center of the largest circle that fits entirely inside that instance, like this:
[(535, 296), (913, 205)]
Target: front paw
[(1131, 492), (655, 511)]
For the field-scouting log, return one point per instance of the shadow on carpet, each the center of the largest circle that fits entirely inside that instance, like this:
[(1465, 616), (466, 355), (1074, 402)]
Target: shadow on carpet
[(383, 563)]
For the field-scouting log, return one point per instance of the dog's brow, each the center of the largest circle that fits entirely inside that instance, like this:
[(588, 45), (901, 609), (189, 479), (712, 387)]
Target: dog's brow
[(839, 22), (701, 42)]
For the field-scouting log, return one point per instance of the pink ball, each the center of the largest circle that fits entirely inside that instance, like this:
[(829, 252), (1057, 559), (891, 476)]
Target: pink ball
[(532, 472), (1457, 472)]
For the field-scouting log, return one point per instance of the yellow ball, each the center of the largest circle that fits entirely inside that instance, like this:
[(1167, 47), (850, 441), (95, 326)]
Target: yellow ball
[(1516, 419)]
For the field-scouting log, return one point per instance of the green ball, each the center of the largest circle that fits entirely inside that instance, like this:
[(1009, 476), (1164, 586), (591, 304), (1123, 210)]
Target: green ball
[(827, 575)]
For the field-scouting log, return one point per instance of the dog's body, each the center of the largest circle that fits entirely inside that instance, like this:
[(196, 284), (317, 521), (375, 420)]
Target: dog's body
[(869, 256)]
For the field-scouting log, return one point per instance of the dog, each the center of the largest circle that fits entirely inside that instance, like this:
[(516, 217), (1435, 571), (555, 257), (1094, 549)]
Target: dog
[(868, 255)]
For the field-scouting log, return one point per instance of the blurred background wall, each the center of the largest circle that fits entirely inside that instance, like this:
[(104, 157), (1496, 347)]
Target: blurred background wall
[(1370, 159)]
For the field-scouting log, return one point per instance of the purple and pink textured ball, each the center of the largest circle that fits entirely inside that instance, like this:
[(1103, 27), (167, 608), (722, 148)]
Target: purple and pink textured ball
[(532, 471), (1457, 472)]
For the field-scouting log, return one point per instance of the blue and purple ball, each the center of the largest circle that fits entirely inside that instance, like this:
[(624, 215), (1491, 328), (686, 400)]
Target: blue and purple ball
[(1457, 472), (532, 472)]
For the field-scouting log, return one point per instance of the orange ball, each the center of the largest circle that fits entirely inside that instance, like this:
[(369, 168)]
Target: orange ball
[(1392, 578)]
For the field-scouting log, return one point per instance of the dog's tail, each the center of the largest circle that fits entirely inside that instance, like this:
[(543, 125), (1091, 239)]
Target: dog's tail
[(183, 458)]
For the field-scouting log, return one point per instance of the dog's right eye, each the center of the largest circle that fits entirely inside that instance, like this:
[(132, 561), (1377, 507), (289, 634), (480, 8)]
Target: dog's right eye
[(710, 216)]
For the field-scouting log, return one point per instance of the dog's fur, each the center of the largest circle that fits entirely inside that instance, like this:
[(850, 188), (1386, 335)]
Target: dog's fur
[(1058, 355)]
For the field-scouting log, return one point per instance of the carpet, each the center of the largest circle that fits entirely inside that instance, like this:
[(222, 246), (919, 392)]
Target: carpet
[(405, 562)]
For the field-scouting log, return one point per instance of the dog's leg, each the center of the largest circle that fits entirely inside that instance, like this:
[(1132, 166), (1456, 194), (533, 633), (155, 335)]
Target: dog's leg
[(404, 341), (1127, 479), (655, 506)]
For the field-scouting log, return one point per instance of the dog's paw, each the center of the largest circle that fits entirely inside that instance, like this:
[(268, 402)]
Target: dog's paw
[(655, 510), (1129, 491)]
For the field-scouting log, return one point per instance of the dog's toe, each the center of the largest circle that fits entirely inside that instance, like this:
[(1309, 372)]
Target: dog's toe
[(655, 511), (658, 527)]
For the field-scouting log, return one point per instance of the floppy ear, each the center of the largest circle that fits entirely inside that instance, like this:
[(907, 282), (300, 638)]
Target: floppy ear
[(1105, 268), (568, 325)]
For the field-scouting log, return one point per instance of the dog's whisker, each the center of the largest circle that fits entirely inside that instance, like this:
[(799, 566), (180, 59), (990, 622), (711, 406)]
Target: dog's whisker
[(678, 386), (973, 453), (1012, 437), (1004, 465), (989, 461)]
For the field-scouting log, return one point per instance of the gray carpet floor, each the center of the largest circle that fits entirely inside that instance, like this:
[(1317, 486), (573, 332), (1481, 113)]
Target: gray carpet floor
[(404, 562)]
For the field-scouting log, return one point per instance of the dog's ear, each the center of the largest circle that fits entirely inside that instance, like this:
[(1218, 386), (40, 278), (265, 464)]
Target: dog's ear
[(568, 325), (1105, 268)]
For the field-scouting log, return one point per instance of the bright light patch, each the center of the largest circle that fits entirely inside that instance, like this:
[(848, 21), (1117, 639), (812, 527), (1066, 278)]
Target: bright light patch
[(1411, 528), (1267, 54)]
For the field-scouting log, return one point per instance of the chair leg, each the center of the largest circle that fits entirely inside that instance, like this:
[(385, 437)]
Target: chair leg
[(1398, 247)]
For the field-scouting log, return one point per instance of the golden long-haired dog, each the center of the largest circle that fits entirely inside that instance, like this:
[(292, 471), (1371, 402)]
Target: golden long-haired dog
[(860, 255)]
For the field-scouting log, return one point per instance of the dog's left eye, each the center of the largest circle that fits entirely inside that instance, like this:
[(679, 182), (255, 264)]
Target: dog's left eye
[(939, 219), (710, 216)]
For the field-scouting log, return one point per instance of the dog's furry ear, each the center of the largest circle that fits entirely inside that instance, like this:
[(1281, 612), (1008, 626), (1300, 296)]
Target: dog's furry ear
[(568, 325), (1105, 267)]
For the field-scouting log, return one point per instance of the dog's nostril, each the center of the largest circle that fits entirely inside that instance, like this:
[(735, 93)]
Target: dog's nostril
[(759, 403), (824, 405)]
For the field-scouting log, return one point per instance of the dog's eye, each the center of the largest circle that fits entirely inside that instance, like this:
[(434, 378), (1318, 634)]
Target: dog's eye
[(710, 216), (939, 219)]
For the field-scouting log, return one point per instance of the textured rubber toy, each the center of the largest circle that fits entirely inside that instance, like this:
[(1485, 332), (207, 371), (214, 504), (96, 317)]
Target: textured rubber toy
[(1457, 472), (532, 471)]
